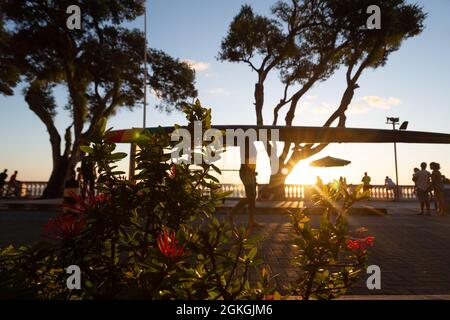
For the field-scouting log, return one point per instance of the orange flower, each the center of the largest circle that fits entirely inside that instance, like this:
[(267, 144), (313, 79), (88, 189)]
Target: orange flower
[(360, 244), (168, 245), (352, 245), (173, 171), (81, 205), (369, 240), (63, 227)]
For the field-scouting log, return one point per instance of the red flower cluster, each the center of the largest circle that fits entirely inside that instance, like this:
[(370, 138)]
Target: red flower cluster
[(168, 245), (360, 244), (81, 205), (63, 227), (173, 171)]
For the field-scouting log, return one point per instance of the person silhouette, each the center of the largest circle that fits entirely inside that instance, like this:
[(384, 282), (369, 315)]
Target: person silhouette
[(247, 174), (423, 184), (437, 184), (390, 186), (13, 186), (3, 177), (366, 182)]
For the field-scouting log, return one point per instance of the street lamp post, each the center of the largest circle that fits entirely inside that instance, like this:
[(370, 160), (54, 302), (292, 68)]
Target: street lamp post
[(144, 116), (404, 126), (144, 112)]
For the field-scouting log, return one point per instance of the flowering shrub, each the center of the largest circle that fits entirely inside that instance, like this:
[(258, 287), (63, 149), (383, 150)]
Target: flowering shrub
[(152, 238), (328, 258), (157, 237)]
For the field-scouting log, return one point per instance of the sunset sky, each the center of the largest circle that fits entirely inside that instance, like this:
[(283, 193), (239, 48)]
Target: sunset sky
[(414, 85)]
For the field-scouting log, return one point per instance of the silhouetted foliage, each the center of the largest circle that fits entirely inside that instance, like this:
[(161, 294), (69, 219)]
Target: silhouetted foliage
[(9, 75), (100, 65), (307, 41)]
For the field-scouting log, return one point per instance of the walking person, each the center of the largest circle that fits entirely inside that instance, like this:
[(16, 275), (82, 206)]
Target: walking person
[(437, 184), (247, 173), (3, 177), (423, 184), (13, 186)]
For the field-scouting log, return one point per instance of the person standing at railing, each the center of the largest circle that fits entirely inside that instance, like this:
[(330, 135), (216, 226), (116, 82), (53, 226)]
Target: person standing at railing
[(366, 182), (423, 185), (437, 184), (390, 185), (13, 186), (3, 177)]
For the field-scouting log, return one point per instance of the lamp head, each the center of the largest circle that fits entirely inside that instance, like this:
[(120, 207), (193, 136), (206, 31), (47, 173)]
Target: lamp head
[(392, 120), (404, 125)]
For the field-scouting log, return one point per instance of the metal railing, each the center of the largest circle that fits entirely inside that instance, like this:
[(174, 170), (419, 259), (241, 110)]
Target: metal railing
[(302, 192), (35, 189), (24, 189)]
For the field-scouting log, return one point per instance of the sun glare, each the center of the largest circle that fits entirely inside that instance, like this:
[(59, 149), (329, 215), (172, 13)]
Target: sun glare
[(304, 174)]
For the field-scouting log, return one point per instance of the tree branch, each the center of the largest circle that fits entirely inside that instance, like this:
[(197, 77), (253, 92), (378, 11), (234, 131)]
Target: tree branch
[(250, 64), (34, 96), (280, 104)]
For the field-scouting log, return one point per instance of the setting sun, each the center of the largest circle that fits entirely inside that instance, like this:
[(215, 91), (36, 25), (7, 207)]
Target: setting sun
[(304, 174)]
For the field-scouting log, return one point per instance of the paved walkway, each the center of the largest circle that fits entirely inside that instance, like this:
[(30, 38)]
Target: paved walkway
[(412, 251)]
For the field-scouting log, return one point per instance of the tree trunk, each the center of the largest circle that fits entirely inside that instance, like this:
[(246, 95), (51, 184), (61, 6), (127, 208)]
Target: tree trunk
[(347, 98), (62, 166), (259, 100), (55, 185), (275, 189)]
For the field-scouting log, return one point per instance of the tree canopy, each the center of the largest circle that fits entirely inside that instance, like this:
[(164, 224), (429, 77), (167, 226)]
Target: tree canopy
[(306, 41), (100, 64)]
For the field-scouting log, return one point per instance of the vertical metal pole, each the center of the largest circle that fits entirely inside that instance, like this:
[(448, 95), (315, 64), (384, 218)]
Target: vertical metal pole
[(145, 67), (397, 195), (144, 116), (132, 162)]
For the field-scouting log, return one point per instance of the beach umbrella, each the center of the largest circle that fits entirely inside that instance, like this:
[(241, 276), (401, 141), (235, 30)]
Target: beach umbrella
[(329, 162)]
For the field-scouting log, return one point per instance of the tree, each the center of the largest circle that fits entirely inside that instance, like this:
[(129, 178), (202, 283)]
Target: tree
[(326, 34), (99, 64), (262, 44), (9, 75)]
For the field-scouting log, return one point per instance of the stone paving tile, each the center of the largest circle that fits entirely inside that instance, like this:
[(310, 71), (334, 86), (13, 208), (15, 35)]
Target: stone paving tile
[(413, 252)]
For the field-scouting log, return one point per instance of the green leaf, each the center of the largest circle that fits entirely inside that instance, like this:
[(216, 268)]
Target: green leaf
[(86, 149), (252, 253), (118, 156), (216, 169), (102, 126)]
